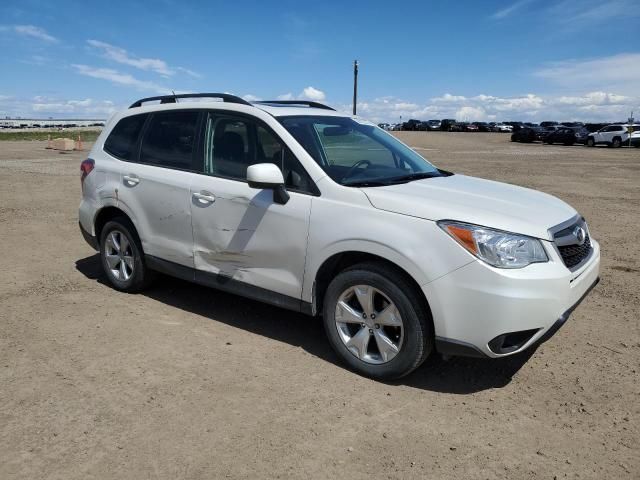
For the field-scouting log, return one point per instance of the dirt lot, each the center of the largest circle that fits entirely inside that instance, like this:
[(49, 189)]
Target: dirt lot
[(184, 382)]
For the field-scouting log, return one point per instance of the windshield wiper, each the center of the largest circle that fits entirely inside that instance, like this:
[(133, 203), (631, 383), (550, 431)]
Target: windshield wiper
[(367, 183), (414, 176)]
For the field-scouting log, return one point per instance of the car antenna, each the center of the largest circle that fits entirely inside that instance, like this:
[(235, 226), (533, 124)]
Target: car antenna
[(174, 96)]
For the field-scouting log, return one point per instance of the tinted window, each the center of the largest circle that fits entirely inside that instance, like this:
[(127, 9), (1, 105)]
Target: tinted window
[(233, 144), (123, 138), (170, 138)]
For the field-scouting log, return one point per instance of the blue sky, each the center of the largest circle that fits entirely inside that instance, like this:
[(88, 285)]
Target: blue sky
[(471, 60)]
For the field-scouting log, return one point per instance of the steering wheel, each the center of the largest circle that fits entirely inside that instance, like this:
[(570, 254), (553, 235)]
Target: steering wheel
[(355, 166)]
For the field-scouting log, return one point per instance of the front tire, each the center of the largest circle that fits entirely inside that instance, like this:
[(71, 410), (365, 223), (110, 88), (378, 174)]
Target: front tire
[(376, 321), (122, 256), (591, 142)]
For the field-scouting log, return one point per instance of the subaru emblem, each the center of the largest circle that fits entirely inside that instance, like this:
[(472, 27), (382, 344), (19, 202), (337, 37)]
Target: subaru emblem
[(580, 234)]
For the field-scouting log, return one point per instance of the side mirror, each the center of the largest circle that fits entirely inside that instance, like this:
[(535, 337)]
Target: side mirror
[(267, 176)]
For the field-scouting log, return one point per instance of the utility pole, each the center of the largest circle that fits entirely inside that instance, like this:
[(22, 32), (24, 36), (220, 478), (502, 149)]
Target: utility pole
[(355, 85)]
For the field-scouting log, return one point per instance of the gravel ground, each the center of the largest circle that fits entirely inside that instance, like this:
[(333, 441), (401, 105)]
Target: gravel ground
[(183, 382)]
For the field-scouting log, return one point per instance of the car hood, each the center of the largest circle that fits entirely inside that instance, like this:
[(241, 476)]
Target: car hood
[(474, 200)]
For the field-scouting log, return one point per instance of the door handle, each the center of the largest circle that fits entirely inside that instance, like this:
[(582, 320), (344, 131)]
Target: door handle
[(131, 179), (204, 197)]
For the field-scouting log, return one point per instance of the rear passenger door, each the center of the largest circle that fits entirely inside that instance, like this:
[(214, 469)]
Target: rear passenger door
[(156, 185), (241, 235)]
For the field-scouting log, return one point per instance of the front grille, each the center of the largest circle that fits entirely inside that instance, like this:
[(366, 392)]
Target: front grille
[(572, 255)]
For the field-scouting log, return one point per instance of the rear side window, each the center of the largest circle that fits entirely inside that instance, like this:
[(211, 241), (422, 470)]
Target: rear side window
[(169, 139), (122, 140)]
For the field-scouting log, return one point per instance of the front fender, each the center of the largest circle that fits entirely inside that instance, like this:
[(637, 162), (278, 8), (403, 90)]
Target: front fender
[(417, 246)]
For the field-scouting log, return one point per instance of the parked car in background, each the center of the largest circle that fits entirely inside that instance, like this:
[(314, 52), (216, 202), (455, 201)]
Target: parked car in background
[(384, 126), (582, 134), (548, 124), (482, 126), (572, 124), (446, 124), (503, 128), (594, 127), (634, 138), (564, 135), (470, 127), (611, 135), (411, 125), (526, 135), (544, 131), (515, 125), (433, 125)]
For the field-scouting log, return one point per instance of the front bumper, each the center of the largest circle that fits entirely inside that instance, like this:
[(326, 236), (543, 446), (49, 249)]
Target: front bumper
[(475, 307)]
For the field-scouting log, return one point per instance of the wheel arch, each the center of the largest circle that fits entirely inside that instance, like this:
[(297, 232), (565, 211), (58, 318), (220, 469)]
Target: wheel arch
[(338, 262), (108, 213)]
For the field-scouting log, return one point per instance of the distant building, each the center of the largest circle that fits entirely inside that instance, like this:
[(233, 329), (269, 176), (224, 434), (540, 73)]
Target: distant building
[(49, 123)]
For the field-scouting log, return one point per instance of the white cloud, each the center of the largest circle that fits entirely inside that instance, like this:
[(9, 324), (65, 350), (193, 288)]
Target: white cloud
[(587, 13), (251, 98), (30, 31), (189, 72), (467, 113), (118, 78), (618, 72), (84, 107), (314, 94), (505, 12), (309, 93), (43, 107), (447, 97), (596, 99), (120, 55), (592, 106)]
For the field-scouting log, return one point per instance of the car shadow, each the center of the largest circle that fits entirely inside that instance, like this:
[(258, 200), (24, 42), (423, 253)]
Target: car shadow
[(456, 375)]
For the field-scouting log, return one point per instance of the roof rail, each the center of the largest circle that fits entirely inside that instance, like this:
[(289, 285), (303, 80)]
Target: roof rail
[(296, 102), (226, 97)]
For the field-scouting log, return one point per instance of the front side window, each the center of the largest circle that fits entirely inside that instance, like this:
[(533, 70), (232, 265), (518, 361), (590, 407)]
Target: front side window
[(358, 153), (169, 139), (232, 144), (123, 139)]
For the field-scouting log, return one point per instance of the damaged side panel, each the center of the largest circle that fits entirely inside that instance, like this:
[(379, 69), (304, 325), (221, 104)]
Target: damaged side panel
[(245, 236)]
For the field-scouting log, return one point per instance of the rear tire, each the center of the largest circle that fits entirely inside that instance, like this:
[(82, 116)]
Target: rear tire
[(591, 142), (122, 256), (616, 142), (356, 341)]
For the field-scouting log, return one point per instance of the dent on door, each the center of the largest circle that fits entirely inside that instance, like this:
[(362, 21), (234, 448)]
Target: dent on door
[(251, 239)]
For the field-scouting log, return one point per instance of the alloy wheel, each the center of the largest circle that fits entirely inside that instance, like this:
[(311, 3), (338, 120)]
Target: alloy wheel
[(369, 324), (119, 255)]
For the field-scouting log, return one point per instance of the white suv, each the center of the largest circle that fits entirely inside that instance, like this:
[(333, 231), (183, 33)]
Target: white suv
[(611, 135), (297, 205)]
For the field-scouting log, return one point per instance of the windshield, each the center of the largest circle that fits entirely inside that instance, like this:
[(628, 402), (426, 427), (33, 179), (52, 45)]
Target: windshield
[(357, 153)]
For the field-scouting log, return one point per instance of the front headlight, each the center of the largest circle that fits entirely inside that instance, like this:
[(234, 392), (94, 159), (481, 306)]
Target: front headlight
[(497, 248)]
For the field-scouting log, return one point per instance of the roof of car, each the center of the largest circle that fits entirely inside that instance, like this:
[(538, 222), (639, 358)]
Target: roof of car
[(276, 108)]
